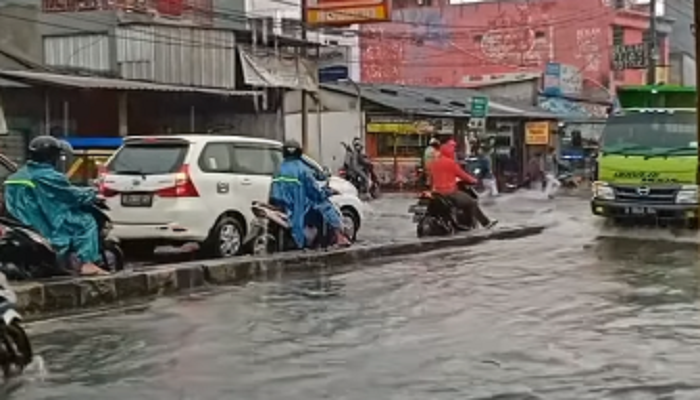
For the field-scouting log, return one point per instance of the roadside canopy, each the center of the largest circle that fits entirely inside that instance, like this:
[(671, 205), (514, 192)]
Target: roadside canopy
[(92, 82)]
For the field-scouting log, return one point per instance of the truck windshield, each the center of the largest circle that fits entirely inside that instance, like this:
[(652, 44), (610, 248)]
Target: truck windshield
[(651, 134)]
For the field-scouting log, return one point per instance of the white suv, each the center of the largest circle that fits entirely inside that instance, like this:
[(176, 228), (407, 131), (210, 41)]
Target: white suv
[(198, 188)]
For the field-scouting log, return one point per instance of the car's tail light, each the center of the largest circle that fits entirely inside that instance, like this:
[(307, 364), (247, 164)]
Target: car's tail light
[(102, 188), (425, 195), (184, 187)]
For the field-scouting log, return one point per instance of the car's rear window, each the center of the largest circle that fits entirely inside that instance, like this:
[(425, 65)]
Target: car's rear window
[(148, 159)]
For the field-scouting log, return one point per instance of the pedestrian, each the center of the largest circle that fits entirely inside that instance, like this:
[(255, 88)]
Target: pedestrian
[(431, 153), (487, 176), (550, 166)]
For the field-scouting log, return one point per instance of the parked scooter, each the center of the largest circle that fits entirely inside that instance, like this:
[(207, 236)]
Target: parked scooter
[(436, 215), (25, 254), (357, 178), (271, 231), (15, 347)]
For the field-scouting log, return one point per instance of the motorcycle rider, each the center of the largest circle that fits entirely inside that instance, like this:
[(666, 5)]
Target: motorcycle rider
[(362, 164), (43, 198), (296, 191), (445, 172), (550, 170)]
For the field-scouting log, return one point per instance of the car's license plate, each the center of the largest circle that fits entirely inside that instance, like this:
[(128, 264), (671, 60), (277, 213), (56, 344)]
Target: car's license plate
[(137, 200), (641, 211)]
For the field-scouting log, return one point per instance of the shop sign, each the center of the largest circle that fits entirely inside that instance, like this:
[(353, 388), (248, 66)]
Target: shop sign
[(537, 133), (418, 127), (347, 12)]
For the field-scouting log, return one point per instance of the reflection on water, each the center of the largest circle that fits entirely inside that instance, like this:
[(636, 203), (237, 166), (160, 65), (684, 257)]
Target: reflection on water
[(560, 316)]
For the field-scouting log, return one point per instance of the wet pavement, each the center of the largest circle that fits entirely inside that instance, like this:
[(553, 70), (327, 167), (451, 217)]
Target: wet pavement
[(583, 311)]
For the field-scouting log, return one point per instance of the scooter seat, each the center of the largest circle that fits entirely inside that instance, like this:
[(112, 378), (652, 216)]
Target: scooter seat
[(266, 205)]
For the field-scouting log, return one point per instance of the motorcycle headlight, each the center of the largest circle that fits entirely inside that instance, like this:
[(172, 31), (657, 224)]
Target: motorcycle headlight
[(687, 195), (603, 191)]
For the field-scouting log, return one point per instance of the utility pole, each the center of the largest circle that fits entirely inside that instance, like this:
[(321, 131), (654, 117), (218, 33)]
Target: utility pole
[(696, 24), (653, 44), (304, 94)]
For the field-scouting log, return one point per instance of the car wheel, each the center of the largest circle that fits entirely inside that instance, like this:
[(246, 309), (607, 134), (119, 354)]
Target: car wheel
[(351, 223), (226, 238)]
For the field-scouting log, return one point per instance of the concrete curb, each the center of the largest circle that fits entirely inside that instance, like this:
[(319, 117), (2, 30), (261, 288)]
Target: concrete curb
[(63, 295)]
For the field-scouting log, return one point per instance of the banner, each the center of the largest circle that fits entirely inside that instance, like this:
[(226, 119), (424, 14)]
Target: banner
[(537, 133), (347, 12)]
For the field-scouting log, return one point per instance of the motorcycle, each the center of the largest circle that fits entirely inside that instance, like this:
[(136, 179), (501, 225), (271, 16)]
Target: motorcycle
[(271, 231), (436, 215), (567, 180), (25, 254), (358, 180), (15, 347)]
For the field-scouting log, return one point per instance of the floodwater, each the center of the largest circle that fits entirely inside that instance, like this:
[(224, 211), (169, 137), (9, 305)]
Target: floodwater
[(579, 312)]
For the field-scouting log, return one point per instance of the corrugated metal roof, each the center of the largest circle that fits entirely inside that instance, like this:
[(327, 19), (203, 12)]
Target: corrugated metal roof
[(437, 102), (91, 82)]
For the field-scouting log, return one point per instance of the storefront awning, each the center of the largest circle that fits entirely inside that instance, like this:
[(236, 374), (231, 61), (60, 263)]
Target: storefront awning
[(268, 70), (94, 82)]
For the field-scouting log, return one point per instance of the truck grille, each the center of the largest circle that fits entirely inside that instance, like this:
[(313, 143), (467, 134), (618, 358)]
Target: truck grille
[(656, 195)]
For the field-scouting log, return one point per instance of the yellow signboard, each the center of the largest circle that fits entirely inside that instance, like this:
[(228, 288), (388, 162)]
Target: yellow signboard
[(347, 12), (537, 133), (418, 127)]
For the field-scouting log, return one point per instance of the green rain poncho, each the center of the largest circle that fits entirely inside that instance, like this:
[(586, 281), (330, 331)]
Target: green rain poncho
[(43, 198)]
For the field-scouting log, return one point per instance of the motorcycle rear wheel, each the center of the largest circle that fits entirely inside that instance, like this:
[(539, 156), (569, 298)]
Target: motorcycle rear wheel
[(16, 349), (113, 257), (264, 245)]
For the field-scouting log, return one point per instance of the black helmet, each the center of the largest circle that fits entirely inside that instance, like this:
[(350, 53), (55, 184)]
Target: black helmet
[(292, 149), (357, 143), (47, 149)]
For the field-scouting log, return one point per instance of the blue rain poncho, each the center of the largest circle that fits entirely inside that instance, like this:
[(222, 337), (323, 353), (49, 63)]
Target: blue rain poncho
[(295, 189), (43, 198)]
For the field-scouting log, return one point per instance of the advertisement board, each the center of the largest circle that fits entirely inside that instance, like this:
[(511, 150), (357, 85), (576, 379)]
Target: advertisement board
[(562, 79), (347, 12), (537, 133)]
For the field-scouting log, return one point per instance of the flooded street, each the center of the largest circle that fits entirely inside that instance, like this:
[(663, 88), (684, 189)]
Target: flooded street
[(580, 312)]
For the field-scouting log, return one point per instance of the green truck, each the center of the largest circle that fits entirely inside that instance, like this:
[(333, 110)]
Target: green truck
[(648, 160)]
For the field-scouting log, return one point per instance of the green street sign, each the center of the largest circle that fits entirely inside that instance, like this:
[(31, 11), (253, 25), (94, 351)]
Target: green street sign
[(480, 107)]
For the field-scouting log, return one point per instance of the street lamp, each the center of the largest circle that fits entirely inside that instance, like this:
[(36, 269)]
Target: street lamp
[(358, 105)]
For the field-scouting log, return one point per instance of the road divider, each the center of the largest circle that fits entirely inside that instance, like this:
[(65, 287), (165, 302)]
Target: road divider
[(51, 297)]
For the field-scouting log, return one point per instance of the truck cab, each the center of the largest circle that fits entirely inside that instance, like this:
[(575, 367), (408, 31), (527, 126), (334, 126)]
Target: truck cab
[(648, 161)]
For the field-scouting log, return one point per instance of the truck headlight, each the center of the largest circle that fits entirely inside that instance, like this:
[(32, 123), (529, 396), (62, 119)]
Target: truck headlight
[(687, 195), (603, 191)]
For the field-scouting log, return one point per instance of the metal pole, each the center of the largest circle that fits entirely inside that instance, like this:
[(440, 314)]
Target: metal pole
[(192, 119), (66, 118), (696, 24), (653, 45), (304, 94)]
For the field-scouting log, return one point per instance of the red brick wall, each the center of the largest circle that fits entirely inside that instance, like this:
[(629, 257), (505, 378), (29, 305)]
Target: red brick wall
[(454, 45)]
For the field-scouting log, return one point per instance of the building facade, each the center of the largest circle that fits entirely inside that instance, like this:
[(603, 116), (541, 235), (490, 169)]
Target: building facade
[(682, 60), (439, 44)]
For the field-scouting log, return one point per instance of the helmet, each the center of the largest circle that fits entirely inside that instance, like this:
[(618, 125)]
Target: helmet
[(292, 149), (48, 149), (357, 143), (434, 142)]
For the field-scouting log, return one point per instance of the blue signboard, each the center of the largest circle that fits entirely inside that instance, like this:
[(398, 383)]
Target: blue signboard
[(552, 79), (86, 143), (333, 73)]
